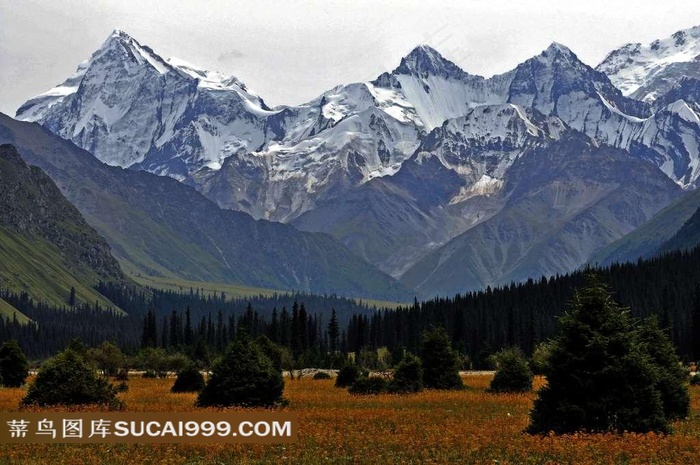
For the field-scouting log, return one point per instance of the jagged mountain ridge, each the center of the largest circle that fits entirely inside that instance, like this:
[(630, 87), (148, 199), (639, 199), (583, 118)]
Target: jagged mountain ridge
[(647, 71), (561, 200), (356, 147), (290, 156), (158, 226)]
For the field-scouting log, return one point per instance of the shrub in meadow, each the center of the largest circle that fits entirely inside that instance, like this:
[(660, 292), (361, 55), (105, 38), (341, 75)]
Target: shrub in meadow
[(321, 375), (601, 375), (347, 375), (513, 373), (189, 379), (243, 376), (367, 385), (408, 376), (69, 379)]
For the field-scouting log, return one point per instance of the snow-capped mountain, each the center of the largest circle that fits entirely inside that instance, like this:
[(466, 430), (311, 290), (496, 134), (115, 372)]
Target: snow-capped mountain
[(647, 71), (128, 106), (452, 182), (395, 167), (346, 137), (558, 84)]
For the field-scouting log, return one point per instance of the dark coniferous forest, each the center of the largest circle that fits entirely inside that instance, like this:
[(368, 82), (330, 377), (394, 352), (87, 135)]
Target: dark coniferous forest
[(311, 326)]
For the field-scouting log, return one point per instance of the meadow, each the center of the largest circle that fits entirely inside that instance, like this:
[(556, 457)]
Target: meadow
[(470, 426)]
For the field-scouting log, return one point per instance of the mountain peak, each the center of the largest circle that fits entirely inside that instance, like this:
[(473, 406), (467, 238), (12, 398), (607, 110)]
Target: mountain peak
[(647, 71), (119, 33), (122, 47), (558, 51), (424, 60), (119, 36), (557, 48)]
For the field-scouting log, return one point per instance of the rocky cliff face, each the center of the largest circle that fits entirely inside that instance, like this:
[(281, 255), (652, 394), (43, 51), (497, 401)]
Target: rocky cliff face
[(32, 206)]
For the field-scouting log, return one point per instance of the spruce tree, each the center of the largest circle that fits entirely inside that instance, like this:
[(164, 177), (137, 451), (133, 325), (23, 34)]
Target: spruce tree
[(440, 362), (14, 366), (333, 332), (671, 383), (695, 336), (408, 376), (71, 298), (599, 377), (513, 373), (243, 376)]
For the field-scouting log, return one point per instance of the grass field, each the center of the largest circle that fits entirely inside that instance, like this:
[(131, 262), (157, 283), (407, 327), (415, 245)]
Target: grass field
[(471, 426)]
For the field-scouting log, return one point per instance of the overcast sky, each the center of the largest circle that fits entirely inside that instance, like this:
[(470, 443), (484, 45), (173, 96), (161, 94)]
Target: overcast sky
[(290, 51)]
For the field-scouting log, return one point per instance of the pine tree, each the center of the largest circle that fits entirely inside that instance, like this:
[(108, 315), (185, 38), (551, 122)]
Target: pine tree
[(14, 366), (440, 362), (243, 376), (274, 329), (672, 375), (149, 336), (513, 373), (333, 332), (189, 335), (71, 299), (599, 376)]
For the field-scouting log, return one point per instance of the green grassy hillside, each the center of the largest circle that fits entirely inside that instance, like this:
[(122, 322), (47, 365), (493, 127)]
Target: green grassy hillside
[(8, 311), (164, 228), (46, 247), (35, 266)]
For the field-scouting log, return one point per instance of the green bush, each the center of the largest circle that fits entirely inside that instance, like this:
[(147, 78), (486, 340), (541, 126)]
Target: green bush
[(540, 357), (440, 362), (321, 375), (243, 376), (695, 380), (14, 366), (368, 385), (274, 352), (408, 376), (347, 375), (513, 373), (69, 379), (122, 387), (108, 358), (149, 374), (188, 380)]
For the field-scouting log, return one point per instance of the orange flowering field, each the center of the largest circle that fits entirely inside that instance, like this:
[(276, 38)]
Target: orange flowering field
[(471, 426)]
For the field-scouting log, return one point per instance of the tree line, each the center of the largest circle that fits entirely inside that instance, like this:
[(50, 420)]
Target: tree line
[(311, 327)]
